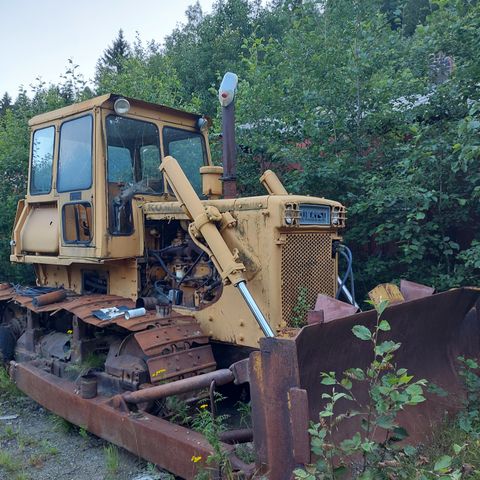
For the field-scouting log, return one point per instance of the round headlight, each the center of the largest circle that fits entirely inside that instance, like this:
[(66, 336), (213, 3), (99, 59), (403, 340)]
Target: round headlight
[(121, 106), (202, 124)]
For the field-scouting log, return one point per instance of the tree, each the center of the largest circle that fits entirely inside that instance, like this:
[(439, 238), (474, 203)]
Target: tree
[(114, 56), (5, 102)]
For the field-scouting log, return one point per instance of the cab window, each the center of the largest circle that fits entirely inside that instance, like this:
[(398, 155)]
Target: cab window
[(133, 158), (75, 155), (42, 161), (188, 148)]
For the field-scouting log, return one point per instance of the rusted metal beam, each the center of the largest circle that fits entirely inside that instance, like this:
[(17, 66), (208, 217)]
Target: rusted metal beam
[(241, 435), (299, 423), (273, 372), (221, 377), (156, 440)]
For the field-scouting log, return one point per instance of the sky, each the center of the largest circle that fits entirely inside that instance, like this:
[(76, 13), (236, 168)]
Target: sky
[(37, 37)]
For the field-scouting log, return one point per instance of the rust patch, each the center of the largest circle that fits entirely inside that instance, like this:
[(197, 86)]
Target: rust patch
[(191, 361)]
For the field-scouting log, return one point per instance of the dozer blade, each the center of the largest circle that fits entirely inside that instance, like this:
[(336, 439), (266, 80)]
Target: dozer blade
[(433, 332), (286, 382)]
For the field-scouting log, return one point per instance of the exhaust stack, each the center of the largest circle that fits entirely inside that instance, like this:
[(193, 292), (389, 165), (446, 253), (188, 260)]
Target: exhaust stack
[(226, 95)]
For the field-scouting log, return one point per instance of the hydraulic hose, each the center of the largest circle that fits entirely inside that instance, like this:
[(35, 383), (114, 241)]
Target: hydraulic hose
[(347, 255)]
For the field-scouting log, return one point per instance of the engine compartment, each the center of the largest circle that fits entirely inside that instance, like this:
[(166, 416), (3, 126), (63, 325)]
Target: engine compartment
[(174, 270)]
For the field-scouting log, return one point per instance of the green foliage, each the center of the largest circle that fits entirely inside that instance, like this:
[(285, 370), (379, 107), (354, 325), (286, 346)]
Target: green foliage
[(9, 463), (112, 459), (178, 409), (469, 418), (390, 390), (245, 411), (300, 309), (62, 425), (211, 426), (7, 388)]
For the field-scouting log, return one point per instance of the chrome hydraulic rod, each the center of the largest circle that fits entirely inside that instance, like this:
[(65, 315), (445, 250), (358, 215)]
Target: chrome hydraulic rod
[(347, 293), (257, 313)]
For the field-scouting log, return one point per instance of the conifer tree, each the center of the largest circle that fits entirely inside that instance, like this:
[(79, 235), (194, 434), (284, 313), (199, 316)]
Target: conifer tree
[(114, 56), (5, 103)]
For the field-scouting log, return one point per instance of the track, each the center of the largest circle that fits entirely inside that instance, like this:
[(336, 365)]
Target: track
[(140, 352)]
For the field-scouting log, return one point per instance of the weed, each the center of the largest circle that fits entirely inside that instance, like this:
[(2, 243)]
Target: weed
[(24, 441), (300, 309), (390, 391), (8, 463), (178, 409), (62, 425), (211, 427), (469, 419), (36, 460), (9, 433), (83, 432), (245, 452), (48, 448), (7, 387), (112, 459), (21, 476), (92, 361), (245, 411)]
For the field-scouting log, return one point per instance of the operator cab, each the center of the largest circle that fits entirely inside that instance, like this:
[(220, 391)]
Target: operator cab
[(91, 163)]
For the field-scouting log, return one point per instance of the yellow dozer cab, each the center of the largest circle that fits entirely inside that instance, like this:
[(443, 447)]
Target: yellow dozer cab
[(148, 262)]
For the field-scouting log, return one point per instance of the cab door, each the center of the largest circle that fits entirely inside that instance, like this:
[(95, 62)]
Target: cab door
[(75, 186)]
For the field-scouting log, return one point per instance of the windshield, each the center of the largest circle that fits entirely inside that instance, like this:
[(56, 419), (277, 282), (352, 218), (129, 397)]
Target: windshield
[(133, 154), (188, 148), (133, 158)]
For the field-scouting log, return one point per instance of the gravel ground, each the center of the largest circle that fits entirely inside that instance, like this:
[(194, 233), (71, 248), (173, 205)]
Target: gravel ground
[(37, 445)]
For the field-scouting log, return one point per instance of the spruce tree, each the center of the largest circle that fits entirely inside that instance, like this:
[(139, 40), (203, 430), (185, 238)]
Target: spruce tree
[(113, 57), (5, 103)]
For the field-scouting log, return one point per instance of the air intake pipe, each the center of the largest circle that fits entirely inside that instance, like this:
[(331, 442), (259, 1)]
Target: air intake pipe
[(272, 183)]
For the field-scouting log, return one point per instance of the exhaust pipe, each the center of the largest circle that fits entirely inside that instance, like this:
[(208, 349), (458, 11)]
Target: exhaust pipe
[(226, 95)]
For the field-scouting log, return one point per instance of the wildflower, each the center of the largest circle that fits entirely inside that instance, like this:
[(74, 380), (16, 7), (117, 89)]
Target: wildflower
[(204, 406), (196, 459)]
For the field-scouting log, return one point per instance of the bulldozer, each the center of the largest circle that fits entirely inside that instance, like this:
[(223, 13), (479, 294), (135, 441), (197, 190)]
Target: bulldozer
[(156, 281)]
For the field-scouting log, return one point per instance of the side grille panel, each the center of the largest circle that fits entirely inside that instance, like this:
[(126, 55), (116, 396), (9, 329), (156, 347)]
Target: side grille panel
[(307, 265)]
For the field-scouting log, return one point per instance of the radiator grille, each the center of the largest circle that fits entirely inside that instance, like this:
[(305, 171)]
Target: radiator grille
[(307, 264)]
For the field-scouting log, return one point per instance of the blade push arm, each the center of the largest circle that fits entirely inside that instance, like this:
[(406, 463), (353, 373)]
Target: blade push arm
[(203, 220)]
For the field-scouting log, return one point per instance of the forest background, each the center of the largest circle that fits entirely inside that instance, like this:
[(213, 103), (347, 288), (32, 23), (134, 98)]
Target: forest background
[(373, 103)]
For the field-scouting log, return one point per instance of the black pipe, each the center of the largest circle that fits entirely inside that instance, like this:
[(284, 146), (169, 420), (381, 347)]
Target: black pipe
[(229, 158)]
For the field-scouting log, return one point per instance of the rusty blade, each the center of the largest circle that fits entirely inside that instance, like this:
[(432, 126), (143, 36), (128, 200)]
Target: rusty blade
[(433, 332), (156, 440), (193, 360), (412, 290)]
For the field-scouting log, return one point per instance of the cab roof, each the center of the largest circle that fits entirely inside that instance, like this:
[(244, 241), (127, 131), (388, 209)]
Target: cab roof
[(106, 101)]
